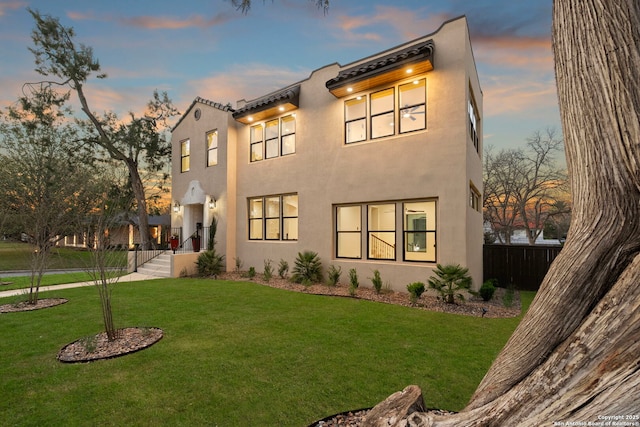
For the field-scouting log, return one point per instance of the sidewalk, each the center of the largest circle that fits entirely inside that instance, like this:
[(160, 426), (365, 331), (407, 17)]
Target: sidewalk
[(131, 277)]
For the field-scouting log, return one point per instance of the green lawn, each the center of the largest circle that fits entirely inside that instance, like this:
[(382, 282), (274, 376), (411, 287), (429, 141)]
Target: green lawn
[(237, 354), (17, 256)]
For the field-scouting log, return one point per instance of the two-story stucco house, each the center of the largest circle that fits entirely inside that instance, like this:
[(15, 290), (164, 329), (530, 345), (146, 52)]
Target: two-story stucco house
[(374, 164)]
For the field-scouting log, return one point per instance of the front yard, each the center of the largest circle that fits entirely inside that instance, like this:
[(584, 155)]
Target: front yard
[(236, 353)]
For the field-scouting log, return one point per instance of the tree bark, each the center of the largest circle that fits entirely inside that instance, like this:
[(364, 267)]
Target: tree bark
[(576, 354)]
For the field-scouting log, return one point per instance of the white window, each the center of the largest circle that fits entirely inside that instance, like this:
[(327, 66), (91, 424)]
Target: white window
[(212, 148)]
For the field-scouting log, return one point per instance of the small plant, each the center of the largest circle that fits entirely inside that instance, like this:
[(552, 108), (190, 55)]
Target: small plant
[(251, 273), (507, 298), (210, 263), (416, 289), (449, 280), (267, 274), (487, 290), (238, 262), (376, 281), (353, 281), (333, 275), (308, 268), (89, 343), (283, 269), (184, 272)]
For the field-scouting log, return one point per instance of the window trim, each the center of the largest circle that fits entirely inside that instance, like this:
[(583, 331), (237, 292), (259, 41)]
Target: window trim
[(185, 157), (278, 140), (210, 149), (263, 219), (357, 231), (371, 231), (400, 231), (397, 111)]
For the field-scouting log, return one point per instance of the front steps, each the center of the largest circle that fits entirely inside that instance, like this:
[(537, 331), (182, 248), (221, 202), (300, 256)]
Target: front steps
[(159, 266)]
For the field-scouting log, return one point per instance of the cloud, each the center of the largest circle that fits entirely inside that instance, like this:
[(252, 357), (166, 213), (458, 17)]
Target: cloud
[(155, 22), (246, 81), (508, 96), (11, 5)]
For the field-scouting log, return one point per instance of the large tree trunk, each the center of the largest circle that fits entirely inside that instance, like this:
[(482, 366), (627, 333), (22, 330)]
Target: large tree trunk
[(141, 204), (576, 354)]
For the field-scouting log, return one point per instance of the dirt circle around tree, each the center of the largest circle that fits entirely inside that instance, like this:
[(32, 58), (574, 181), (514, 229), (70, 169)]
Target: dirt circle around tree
[(17, 307), (98, 347)]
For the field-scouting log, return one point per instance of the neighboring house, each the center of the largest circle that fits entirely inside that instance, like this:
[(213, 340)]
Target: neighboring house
[(126, 234), (373, 165)]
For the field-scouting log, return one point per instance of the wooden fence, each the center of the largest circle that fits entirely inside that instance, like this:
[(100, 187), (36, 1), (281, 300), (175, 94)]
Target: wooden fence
[(523, 266)]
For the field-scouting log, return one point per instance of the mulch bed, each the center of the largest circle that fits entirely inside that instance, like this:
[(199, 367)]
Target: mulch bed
[(25, 306), (98, 347), (471, 306)]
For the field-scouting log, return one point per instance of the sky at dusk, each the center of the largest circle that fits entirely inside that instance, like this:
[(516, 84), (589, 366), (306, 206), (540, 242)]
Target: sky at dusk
[(209, 49)]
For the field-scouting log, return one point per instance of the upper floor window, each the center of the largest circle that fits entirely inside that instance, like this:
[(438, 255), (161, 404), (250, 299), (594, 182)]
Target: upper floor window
[(185, 155), (382, 113), (473, 122), (405, 105), (212, 148), (273, 139), (273, 217), (413, 104)]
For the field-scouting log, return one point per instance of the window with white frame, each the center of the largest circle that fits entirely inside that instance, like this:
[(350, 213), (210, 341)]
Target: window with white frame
[(185, 155), (387, 112), (273, 138), (273, 217), (212, 148)]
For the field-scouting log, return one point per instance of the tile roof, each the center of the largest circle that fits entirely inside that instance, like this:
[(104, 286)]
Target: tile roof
[(290, 95), (417, 52), (199, 100)]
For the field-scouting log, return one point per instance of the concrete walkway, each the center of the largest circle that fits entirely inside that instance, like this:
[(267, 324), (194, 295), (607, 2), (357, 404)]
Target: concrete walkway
[(131, 277)]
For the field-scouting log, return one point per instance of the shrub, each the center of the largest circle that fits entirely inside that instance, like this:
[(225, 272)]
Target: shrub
[(376, 281), (353, 281), (449, 280), (238, 264), (267, 273), (308, 268), (487, 290), (416, 289), (283, 269), (333, 275), (209, 263), (251, 273)]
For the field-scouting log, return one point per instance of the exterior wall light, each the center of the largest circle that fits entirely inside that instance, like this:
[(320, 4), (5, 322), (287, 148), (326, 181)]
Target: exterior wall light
[(176, 206), (212, 203)]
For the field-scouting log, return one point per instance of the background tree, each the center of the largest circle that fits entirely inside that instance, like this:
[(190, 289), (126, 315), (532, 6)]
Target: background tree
[(45, 174), (575, 356), (521, 186), (139, 143)]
